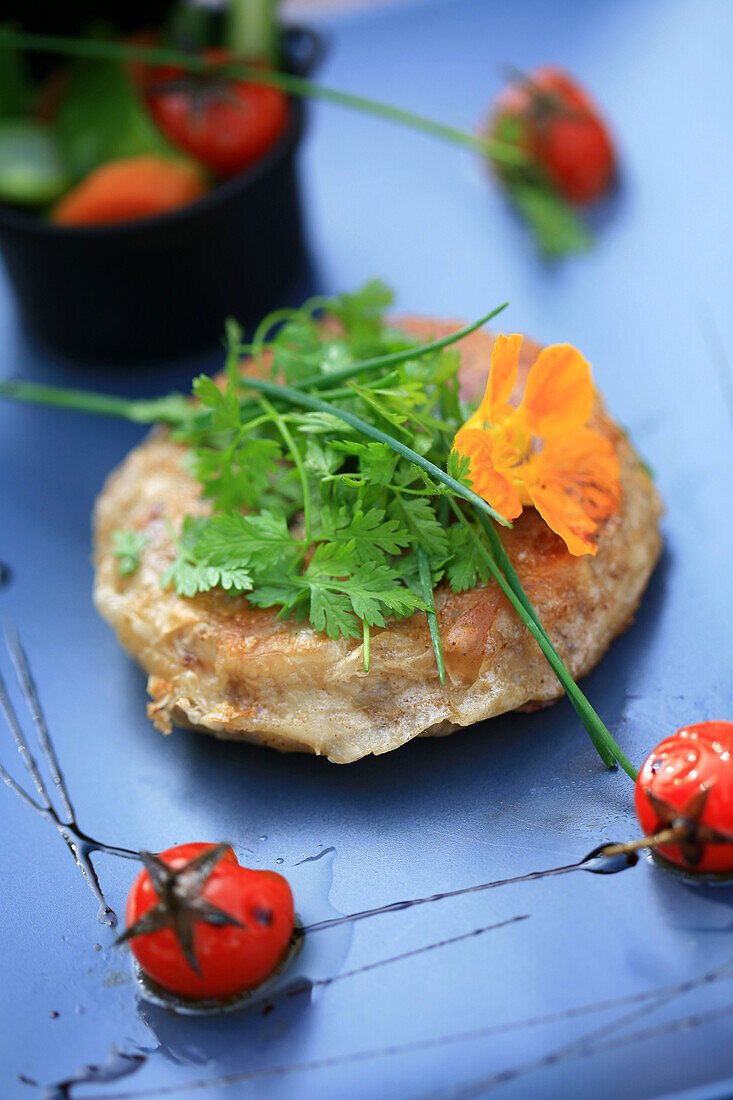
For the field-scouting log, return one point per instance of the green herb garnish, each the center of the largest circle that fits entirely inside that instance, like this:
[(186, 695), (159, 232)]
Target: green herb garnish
[(330, 496), (557, 229), (127, 546), (120, 128)]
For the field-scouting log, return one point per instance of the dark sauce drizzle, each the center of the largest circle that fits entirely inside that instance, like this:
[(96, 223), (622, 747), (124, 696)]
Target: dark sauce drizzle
[(595, 862), (121, 1064), (595, 1042), (307, 985), (79, 843)]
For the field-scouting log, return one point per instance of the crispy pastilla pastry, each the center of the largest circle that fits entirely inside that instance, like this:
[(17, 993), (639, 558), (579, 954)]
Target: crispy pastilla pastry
[(217, 664)]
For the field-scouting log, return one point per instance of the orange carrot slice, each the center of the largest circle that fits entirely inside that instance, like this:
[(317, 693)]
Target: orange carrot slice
[(124, 190)]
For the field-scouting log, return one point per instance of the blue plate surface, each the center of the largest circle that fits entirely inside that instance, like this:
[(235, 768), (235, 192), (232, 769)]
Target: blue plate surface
[(610, 986)]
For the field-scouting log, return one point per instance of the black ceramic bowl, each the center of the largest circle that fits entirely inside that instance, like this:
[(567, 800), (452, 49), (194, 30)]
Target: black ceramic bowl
[(163, 286)]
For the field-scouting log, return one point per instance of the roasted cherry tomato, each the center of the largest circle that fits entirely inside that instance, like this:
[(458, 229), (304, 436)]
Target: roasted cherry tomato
[(689, 779), (548, 114), (202, 926), (227, 124)]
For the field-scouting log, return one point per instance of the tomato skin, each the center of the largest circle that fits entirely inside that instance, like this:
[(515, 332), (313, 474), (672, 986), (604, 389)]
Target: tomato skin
[(183, 853), (563, 132), (226, 131), (675, 771), (231, 960)]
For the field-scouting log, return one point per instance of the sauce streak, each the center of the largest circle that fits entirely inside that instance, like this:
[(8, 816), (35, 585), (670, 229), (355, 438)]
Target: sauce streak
[(79, 843), (118, 1065), (82, 846), (595, 862)]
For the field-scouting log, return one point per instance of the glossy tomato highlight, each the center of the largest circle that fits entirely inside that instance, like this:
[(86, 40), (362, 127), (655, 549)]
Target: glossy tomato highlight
[(689, 778), (234, 923)]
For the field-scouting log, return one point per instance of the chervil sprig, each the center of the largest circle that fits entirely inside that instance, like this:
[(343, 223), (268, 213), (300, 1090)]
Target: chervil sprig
[(335, 495), (127, 546), (190, 574)]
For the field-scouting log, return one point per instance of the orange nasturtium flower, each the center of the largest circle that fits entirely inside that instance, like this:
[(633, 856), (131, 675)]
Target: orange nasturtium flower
[(542, 453)]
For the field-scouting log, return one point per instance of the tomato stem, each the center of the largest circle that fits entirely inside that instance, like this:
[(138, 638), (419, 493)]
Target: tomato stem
[(655, 840)]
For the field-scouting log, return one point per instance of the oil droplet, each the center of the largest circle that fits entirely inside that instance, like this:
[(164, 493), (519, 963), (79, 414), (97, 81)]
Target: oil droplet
[(97, 947), (54, 1015), (279, 860), (263, 837)]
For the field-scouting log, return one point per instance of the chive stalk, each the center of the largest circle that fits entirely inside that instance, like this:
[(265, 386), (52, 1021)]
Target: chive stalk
[(367, 648), (176, 409), (297, 397), (426, 591), (506, 577), (297, 458), (605, 745), (99, 49)]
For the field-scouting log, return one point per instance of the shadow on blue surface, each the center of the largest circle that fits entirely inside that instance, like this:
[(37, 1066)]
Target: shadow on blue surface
[(615, 987)]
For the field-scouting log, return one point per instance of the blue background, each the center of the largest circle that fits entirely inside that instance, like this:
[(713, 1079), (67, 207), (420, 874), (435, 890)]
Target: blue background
[(649, 307)]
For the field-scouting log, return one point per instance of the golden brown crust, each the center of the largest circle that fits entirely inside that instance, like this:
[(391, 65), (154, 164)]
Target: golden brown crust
[(217, 664)]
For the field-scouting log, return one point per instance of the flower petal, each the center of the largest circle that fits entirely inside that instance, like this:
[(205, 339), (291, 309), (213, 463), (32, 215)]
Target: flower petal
[(588, 466), (500, 383), (573, 483), (565, 516), (503, 374), (559, 392), (495, 487)]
